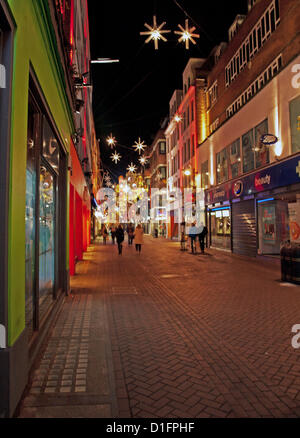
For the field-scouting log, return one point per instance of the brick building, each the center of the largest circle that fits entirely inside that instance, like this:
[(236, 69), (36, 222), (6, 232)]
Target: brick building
[(156, 178), (252, 189)]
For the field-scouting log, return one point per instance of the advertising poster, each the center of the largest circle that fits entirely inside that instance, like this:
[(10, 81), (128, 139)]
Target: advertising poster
[(294, 214), (269, 224)]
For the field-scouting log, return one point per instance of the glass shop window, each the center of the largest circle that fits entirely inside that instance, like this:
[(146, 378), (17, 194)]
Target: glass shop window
[(235, 162), (222, 166)]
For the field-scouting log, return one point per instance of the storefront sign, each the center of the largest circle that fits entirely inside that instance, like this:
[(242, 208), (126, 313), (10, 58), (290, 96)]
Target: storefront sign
[(279, 175)]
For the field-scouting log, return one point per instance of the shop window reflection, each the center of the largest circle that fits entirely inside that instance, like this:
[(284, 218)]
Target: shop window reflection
[(47, 241)]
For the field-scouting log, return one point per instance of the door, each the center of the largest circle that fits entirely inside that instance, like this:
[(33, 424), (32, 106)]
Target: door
[(244, 228)]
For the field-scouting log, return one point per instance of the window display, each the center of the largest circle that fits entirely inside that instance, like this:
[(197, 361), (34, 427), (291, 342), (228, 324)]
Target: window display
[(278, 221), (220, 226)]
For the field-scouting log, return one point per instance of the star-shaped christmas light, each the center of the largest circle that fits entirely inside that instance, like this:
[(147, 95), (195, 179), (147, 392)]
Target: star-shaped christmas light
[(143, 160), (131, 168), (139, 146), (155, 32), (111, 141), (177, 118), (107, 177), (187, 34), (158, 177), (116, 157)]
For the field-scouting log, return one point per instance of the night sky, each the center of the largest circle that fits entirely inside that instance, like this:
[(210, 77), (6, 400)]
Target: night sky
[(132, 98)]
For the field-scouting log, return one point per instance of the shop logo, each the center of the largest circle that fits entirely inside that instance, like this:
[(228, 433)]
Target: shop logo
[(2, 76), (2, 336), (238, 188), (296, 78), (263, 180)]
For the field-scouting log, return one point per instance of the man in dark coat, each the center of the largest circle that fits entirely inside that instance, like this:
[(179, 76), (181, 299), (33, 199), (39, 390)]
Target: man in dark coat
[(120, 238), (202, 235)]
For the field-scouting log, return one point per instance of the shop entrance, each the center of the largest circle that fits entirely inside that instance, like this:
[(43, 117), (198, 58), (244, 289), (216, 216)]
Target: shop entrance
[(220, 228)]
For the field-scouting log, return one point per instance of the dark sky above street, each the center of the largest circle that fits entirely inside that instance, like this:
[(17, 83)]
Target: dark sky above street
[(131, 98)]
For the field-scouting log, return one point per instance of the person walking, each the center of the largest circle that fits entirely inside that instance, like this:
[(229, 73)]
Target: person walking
[(120, 238), (104, 234), (203, 233), (139, 238), (113, 234), (130, 232), (193, 233)]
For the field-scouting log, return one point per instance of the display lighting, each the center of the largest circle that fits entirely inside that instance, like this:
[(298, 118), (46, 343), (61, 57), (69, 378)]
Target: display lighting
[(155, 32), (187, 172), (187, 35)]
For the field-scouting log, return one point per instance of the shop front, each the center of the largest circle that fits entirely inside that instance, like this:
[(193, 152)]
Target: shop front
[(79, 213), (45, 215), (256, 214)]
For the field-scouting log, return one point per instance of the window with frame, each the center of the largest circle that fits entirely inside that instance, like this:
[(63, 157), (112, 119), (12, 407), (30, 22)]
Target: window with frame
[(222, 166), (204, 175), (235, 162), (163, 172), (265, 26), (162, 147)]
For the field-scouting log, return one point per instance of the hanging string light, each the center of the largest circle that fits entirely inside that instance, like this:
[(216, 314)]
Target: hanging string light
[(187, 34), (139, 146), (116, 157), (155, 32)]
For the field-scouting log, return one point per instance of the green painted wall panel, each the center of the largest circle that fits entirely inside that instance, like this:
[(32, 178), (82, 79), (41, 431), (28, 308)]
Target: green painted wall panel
[(31, 46)]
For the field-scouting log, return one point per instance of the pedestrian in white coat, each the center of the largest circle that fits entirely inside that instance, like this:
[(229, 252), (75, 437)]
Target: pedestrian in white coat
[(139, 238)]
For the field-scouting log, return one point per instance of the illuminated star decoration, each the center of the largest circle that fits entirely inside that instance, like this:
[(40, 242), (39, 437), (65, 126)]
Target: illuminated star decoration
[(107, 178), (158, 177), (116, 157), (155, 32), (111, 141), (143, 160), (177, 118), (139, 146), (187, 34), (131, 168)]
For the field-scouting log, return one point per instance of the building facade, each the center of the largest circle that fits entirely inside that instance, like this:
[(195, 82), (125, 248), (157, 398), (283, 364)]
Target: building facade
[(249, 160), (38, 127), (156, 174)]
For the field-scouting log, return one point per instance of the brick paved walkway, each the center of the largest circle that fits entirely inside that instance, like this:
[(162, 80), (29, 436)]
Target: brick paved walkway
[(168, 334)]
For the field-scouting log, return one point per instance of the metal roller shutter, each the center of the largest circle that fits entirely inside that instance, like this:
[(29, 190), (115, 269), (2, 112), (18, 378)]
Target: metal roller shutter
[(244, 228)]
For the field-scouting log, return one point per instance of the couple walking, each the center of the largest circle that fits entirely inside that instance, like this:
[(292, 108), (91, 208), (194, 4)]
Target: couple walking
[(138, 238), (201, 232)]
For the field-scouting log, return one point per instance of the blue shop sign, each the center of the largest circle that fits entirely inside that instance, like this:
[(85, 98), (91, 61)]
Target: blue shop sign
[(278, 175)]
